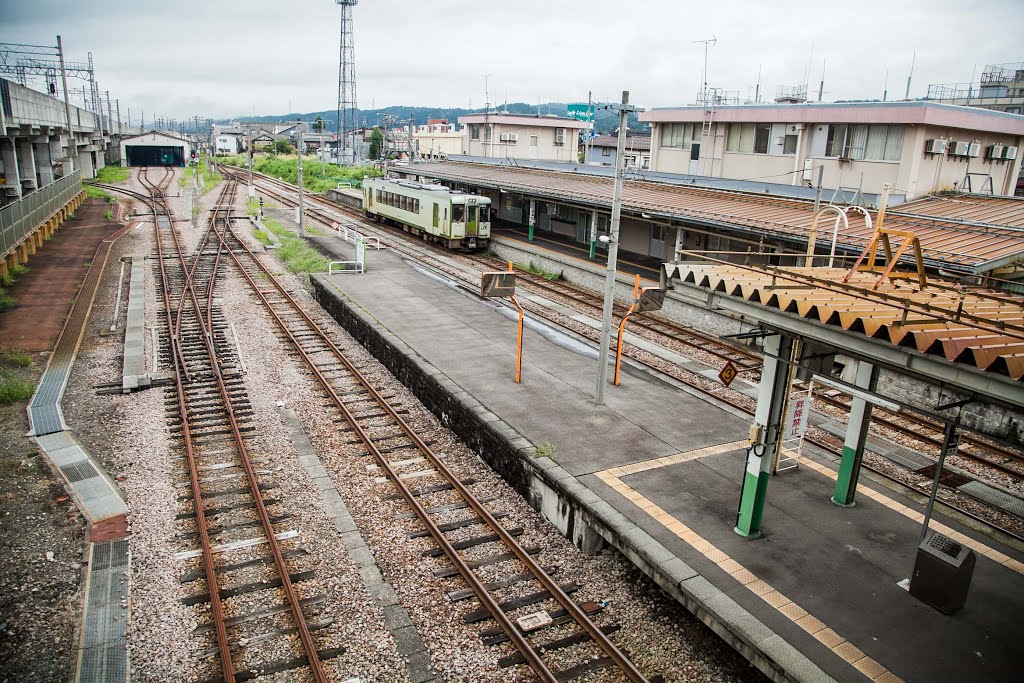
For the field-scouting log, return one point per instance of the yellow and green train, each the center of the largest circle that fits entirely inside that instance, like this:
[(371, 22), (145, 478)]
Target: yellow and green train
[(455, 219)]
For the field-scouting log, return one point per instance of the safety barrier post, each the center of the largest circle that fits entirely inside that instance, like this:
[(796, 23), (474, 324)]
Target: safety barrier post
[(622, 327)]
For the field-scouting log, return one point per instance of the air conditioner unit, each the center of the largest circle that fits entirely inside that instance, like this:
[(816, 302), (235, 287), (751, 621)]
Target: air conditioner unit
[(934, 146), (974, 149), (994, 152), (513, 137), (958, 149), (1010, 152)]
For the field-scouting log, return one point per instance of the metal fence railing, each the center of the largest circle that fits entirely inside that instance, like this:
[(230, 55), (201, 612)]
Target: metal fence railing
[(23, 216)]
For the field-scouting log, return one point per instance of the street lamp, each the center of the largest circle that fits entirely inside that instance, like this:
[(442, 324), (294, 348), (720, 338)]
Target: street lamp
[(612, 241)]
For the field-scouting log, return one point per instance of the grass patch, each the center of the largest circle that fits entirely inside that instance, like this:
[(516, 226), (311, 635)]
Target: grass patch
[(13, 390), (209, 175), (112, 174), (298, 256), (315, 231), (315, 176), (6, 300), (109, 215), (531, 267), (97, 193), (16, 357), (262, 237)]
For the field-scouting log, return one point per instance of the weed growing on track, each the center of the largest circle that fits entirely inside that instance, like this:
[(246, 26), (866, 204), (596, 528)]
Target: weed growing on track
[(6, 300), (96, 193), (314, 177), (546, 450), (537, 270), (13, 273)]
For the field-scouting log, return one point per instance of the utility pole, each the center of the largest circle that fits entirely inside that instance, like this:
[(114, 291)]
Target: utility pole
[(72, 151), (613, 248), (117, 105), (302, 218), (586, 143), (248, 142), (110, 116)]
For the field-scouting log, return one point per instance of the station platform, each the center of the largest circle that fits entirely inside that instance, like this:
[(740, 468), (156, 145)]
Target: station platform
[(656, 472)]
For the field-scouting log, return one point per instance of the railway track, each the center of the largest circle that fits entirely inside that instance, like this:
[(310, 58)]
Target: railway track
[(467, 531), (980, 451), (244, 546)]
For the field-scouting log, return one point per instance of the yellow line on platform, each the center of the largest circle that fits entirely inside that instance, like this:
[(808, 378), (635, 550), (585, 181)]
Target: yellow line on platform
[(825, 635)]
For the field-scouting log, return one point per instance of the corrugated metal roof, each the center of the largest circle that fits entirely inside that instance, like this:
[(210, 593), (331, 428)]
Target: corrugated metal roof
[(946, 244), (636, 142), (976, 327), (969, 208)]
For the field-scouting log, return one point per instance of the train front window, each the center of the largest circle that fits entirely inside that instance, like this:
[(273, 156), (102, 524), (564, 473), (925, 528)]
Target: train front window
[(458, 213), (485, 213)]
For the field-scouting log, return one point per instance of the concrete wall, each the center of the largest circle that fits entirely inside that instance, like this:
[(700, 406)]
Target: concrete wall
[(431, 145)]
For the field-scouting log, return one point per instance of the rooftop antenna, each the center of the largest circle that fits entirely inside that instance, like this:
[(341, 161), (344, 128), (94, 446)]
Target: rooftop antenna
[(821, 85), (807, 71), (704, 88), (487, 93), (906, 96), (757, 90), (885, 87)]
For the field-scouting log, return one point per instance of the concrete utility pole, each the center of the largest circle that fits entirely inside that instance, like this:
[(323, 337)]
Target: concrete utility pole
[(248, 142), (302, 218), (586, 142), (117, 106), (613, 248), (72, 151)]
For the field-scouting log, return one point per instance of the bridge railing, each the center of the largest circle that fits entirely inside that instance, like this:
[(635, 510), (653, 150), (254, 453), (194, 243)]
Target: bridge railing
[(21, 218)]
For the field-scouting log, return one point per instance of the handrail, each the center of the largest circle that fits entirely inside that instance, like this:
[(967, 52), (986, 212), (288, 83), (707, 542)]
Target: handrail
[(19, 219)]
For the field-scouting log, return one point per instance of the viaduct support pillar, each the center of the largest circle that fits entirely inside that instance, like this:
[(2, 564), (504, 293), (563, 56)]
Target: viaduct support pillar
[(43, 161), (27, 164), (856, 434), (9, 156), (766, 433)]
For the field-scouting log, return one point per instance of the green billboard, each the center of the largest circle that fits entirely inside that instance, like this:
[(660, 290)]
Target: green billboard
[(580, 113)]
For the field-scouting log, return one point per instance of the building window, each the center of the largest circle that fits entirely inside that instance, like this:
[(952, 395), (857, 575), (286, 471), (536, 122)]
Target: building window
[(762, 132), (789, 144), (559, 136), (437, 212), (474, 131), (740, 138), (458, 213), (680, 135), (865, 143), (533, 141), (606, 151)]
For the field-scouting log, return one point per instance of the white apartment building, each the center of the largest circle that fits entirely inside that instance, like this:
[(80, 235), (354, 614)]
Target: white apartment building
[(521, 136), (917, 148)]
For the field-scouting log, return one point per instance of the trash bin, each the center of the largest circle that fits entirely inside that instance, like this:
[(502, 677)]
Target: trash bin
[(942, 573)]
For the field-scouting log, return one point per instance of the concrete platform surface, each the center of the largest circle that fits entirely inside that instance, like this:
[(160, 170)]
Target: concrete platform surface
[(664, 468)]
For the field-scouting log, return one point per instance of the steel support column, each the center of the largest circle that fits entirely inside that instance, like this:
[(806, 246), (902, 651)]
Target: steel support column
[(771, 402), (533, 216), (856, 435)]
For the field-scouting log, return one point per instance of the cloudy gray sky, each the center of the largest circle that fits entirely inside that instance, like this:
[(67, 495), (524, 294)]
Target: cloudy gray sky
[(231, 58)]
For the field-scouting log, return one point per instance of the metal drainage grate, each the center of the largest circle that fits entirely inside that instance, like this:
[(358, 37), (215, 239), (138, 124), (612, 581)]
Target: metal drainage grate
[(77, 471)]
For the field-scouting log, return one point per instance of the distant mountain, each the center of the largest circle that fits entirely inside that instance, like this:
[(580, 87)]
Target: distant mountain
[(605, 120)]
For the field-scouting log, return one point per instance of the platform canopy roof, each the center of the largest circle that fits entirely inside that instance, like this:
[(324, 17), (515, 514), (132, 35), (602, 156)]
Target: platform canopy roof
[(972, 338), (949, 244), (969, 209)]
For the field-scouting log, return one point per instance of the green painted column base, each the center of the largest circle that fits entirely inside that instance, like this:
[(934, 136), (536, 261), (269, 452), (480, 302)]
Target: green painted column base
[(755, 489), (530, 236), (846, 479), (842, 504), (593, 249)]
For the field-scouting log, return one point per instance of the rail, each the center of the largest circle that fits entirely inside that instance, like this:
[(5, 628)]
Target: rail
[(20, 219)]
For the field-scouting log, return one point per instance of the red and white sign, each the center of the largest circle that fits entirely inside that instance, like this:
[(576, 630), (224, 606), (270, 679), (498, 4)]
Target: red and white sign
[(796, 417)]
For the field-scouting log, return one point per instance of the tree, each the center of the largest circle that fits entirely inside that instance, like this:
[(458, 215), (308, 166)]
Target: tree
[(318, 124), (282, 146), (376, 142)]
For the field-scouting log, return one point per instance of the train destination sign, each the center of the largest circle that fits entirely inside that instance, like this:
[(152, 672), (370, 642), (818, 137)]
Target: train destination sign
[(498, 284)]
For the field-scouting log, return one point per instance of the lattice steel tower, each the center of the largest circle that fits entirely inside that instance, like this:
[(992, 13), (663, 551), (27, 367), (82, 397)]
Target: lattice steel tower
[(347, 123)]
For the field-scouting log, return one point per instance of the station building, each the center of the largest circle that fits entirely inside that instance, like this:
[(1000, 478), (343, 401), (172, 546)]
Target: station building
[(917, 148), (521, 136)]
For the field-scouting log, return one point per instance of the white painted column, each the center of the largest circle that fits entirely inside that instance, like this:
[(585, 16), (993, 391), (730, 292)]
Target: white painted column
[(9, 154), (27, 163)]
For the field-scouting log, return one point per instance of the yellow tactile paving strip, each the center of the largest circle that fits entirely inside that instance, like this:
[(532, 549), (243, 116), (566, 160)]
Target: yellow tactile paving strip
[(826, 636), (914, 515)]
